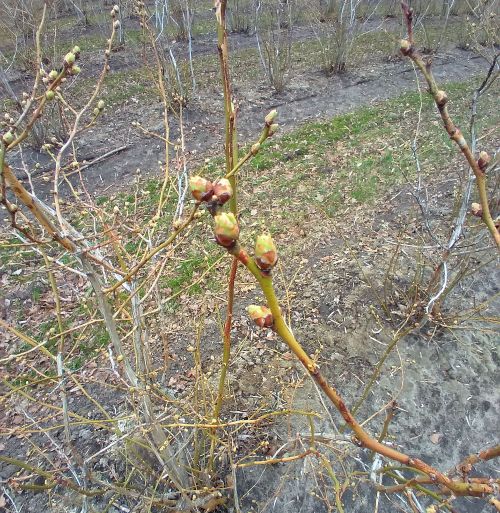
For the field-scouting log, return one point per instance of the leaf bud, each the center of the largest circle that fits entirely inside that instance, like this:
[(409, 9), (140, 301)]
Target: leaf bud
[(116, 24), (49, 95), (255, 149), (261, 315), (273, 129), (75, 70), (266, 254), (226, 229), (100, 104), (76, 50), (53, 74)]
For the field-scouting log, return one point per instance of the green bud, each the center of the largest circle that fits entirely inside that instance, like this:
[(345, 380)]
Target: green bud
[(8, 137), (226, 229), (49, 95), (261, 315), (100, 104), (223, 190), (96, 112), (75, 69), (53, 74), (76, 50), (266, 254), (269, 119), (70, 58), (255, 149), (201, 188)]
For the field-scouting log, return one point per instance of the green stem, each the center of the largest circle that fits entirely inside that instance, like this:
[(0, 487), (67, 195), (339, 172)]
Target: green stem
[(453, 131), (251, 153), (364, 439)]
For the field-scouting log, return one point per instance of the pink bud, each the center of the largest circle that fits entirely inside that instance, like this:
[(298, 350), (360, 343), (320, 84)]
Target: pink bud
[(222, 190), (261, 315), (201, 188), (226, 229), (405, 46), (483, 161), (476, 210), (266, 254), (441, 98)]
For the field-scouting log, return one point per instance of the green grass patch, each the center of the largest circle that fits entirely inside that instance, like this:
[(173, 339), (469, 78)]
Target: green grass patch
[(361, 155)]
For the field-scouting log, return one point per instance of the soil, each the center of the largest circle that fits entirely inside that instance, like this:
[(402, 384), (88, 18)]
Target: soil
[(443, 375)]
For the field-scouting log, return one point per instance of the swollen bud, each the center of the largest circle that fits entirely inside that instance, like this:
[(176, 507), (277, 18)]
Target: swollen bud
[(483, 161), (201, 188), (75, 70), (266, 254), (405, 46), (53, 74), (100, 104), (226, 229), (50, 95), (261, 315), (271, 117), (441, 98), (96, 112), (8, 137), (76, 50), (223, 190)]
